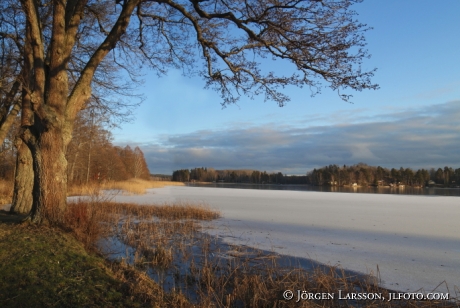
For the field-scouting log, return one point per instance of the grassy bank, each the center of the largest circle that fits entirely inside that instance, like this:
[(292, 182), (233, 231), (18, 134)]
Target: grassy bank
[(46, 267)]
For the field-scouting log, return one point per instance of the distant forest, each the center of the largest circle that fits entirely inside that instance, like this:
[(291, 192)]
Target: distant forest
[(91, 156), (235, 176), (360, 174)]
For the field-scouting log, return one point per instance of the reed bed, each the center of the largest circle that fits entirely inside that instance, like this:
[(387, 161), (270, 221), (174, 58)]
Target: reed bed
[(138, 186), (97, 217), (90, 189), (132, 186), (167, 243)]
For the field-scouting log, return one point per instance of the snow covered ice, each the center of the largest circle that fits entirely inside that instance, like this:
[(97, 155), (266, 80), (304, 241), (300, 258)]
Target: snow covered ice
[(414, 240)]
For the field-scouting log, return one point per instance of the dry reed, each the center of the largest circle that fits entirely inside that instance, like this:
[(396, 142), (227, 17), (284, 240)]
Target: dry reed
[(137, 186), (90, 189), (166, 241), (132, 186)]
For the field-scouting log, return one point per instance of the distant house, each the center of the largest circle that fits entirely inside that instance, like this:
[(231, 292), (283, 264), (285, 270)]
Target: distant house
[(354, 184)]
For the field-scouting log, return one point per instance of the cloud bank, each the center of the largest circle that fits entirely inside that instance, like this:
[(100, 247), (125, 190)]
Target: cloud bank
[(426, 137)]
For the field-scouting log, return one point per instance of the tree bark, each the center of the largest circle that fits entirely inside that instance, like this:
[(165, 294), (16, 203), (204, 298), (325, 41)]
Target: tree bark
[(23, 180), (50, 181)]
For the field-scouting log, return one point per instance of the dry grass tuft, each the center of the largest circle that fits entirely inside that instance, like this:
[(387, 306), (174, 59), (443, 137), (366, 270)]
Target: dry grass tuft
[(176, 211), (140, 286), (84, 220)]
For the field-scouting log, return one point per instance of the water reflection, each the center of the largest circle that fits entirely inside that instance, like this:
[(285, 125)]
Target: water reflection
[(431, 191)]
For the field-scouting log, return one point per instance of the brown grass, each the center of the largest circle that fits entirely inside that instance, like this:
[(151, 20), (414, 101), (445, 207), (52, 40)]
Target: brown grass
[(89, 220), (132, 186), (141, 287), (138, 186), (90, 189)]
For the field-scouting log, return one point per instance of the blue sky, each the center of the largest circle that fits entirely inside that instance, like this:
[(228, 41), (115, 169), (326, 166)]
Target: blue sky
[(413, 120)]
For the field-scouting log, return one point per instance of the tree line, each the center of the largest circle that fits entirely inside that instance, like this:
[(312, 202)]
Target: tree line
[(360, 174), (235, 176), (91, 156), (365, 175)]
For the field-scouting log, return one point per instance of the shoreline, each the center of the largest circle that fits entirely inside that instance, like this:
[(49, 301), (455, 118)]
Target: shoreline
[(408, 190), (366, 233)]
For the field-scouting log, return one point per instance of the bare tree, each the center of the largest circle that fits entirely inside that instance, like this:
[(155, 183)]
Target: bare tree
[(140, 169), (66, 42), (9, 109), (7, 156), (10, 87)]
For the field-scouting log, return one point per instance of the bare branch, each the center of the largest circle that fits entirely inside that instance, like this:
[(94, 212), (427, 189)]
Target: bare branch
[(81, 91)]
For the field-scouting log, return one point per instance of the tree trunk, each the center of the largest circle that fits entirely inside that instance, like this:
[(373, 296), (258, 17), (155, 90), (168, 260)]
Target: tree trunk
[(88, 162), (72, 166), (50, 181), (23, 180)]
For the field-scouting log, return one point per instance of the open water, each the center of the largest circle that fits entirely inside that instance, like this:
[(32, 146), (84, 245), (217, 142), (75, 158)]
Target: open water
[(407, 190)]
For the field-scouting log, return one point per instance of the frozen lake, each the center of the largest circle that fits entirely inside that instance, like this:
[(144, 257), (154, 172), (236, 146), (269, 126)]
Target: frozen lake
[(413, 240)]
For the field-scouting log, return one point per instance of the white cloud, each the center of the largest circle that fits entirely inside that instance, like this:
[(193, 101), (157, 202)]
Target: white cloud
[(424, 137)]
